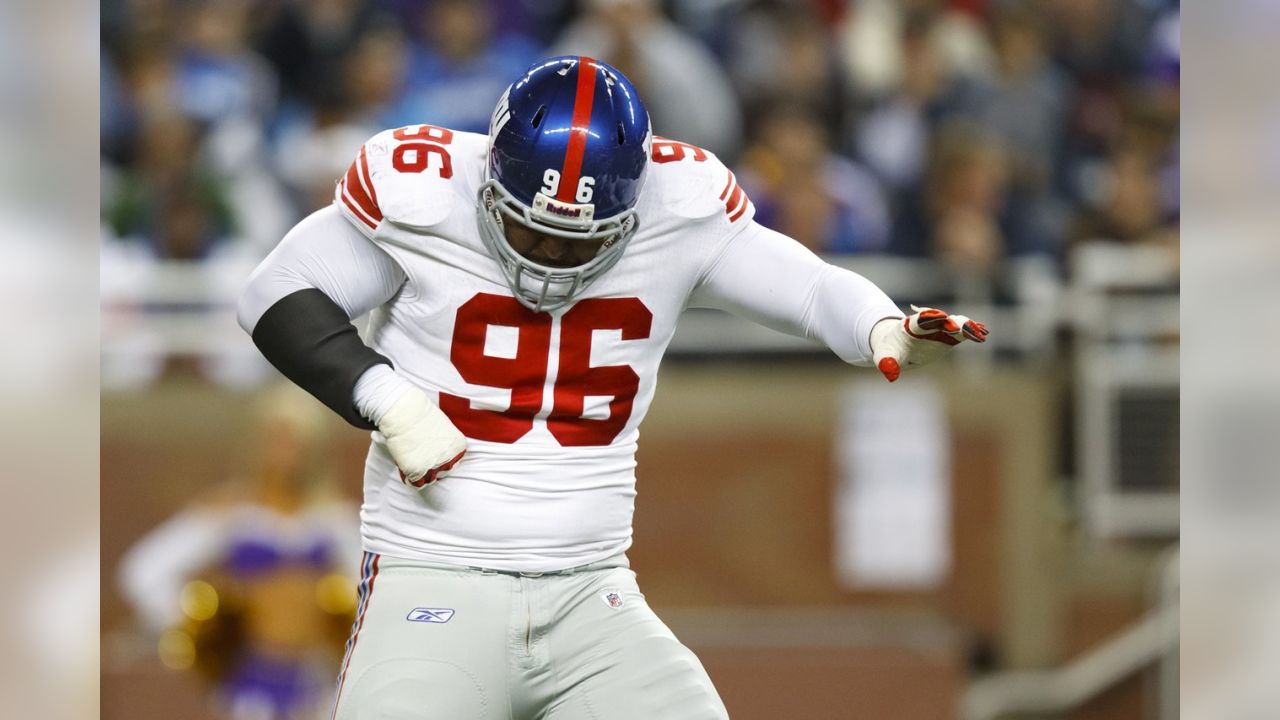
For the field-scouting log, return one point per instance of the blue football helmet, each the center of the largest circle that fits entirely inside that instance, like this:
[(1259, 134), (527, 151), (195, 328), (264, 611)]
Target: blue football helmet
[(568, 149)]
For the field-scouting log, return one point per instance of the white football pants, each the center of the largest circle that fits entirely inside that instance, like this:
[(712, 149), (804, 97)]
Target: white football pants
[(438, 642)]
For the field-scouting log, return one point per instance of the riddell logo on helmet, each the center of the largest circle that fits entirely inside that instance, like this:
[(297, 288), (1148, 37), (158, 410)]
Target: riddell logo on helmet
[(582, 214)]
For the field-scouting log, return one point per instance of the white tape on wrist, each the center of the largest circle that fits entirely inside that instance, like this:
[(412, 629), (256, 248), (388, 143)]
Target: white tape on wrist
[(421, 438), (377, 390)]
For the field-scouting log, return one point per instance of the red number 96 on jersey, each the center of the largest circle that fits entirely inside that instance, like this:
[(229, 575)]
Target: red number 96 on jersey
[(525, 374)]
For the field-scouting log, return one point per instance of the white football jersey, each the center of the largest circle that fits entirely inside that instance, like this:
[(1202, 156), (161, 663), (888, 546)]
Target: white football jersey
[(551, 403)]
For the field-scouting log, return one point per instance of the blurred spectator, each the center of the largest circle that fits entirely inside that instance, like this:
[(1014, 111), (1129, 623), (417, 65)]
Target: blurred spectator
[(374, 73), (1100, 44), (1101, 41), (169, 200), (1126, 178), (218, 77), (315, 148), (877, 37), (803, 189), (116, 121), (224, 84), (686, 91), (224, 122), (1163, 82), (962, 213), (781, 52), (253, 585), (457, 73), (1164, 56), (1027, 97), (307, 41), (1024, 107), (538, 20), (1127, 204), (136, 22), (200, 73), (894, 136)]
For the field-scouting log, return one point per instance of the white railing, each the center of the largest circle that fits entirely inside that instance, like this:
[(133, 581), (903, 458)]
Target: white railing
[(1125, 340), (1152, 640), (1123, 310), (162, 308), (152, 311)]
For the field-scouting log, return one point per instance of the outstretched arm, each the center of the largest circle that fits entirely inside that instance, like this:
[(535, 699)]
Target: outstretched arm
[(771, 279)]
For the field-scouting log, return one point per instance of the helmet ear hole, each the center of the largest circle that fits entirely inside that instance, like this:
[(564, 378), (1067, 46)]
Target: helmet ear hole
[(622, 134), (537, 116)]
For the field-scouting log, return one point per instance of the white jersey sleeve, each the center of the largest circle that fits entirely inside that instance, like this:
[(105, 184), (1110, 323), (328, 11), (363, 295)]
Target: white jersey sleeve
[(760, 274), (771, 279), (324, 252), (333, 250), (402, 177)]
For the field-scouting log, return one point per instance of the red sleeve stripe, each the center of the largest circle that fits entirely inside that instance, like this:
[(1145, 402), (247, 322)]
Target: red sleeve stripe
[(366, 181), (728, 186), (579, 124), (736, 198), (353, 207), (356, 191)]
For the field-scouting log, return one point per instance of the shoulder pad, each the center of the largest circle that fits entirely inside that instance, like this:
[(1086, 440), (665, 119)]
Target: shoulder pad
[(694, 184), (403, 176)]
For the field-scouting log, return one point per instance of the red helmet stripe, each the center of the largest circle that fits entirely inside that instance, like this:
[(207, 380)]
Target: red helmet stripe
[(578, 134)]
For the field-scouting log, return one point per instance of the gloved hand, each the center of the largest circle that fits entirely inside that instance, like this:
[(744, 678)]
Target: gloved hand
[(920, 338), (421, 439)]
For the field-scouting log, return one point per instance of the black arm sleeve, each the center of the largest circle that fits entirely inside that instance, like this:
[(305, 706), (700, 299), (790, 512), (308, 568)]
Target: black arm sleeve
[(310, 339)]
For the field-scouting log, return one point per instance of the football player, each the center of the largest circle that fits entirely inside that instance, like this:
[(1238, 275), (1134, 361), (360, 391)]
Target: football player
[(522, 289)]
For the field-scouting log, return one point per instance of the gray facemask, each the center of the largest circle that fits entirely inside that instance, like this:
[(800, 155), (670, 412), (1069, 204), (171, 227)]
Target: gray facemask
[(539, 287)]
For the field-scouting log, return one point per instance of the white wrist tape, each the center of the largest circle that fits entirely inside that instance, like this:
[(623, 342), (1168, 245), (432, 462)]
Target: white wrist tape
[(377, 390), (421, 439)]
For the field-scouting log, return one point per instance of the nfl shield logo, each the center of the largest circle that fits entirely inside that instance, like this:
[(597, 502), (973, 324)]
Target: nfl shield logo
[(612, 598)]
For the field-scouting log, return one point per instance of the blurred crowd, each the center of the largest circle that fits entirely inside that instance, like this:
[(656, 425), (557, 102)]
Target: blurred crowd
[(966, 130)]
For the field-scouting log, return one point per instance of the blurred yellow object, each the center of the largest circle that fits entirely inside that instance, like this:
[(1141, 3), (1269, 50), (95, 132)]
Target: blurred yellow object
[(336, 594), (177, 650), (199, 600)]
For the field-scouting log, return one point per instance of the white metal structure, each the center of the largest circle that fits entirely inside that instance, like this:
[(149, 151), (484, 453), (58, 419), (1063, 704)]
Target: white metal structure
[(186, 307), (1124, 309), (1152, 640)]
